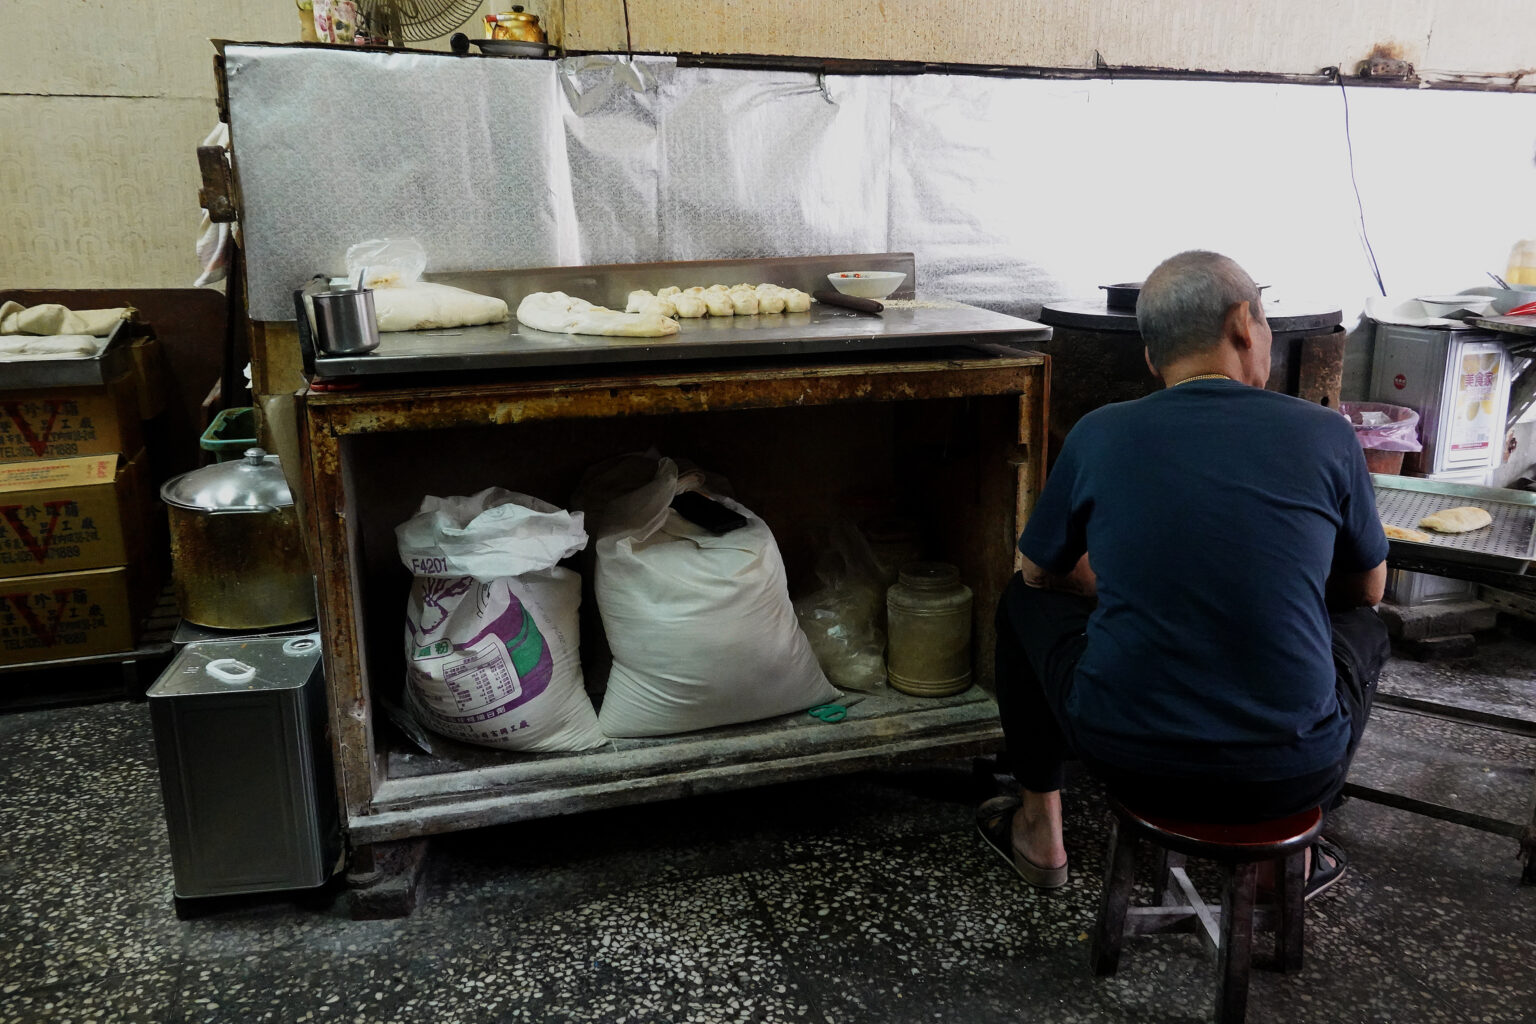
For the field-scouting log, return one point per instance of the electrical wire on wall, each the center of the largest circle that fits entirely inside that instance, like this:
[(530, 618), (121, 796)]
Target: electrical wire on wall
[(1349, 142)]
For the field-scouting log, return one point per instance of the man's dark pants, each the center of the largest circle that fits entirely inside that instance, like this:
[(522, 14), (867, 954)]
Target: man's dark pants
[(1040, 637)]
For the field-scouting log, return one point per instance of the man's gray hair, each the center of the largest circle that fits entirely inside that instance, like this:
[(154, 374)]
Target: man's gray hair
[(1183, 304)]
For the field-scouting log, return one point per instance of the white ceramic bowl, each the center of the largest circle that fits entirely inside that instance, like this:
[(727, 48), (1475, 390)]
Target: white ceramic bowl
[(867, 284), (1445, 305)]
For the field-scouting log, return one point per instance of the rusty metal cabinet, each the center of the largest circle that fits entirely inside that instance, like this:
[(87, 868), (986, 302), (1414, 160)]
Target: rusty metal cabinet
[(959, 438)]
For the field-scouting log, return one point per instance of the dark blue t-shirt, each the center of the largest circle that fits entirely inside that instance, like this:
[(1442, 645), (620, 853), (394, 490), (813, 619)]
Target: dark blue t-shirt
[(1212, 513)]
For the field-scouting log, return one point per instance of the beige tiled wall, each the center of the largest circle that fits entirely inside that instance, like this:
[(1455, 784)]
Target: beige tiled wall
[(102, 102)]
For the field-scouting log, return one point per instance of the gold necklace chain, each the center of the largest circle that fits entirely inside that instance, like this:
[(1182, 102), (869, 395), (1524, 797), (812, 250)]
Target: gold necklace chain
[(1202, 376)]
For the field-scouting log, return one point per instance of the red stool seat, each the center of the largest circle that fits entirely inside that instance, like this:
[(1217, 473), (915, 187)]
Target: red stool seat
[(1264, 840)]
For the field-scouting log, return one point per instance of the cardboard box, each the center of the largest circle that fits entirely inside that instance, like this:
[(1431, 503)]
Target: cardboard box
[(153, 385), (67, 615), (68, 515), (61, 423)]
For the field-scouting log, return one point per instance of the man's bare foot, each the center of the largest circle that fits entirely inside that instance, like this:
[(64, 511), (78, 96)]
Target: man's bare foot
[(1037, 829)]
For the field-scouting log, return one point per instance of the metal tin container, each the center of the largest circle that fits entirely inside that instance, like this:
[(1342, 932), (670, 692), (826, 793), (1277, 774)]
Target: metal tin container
[(237, 555), (244, 766), (928, 612)]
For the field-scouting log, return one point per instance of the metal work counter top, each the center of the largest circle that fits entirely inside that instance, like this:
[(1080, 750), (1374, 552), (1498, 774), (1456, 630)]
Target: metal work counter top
[(1094, 315), (825, 329)]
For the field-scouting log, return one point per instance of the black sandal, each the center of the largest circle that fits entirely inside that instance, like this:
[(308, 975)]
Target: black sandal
[(1320, 876), (994, 820)]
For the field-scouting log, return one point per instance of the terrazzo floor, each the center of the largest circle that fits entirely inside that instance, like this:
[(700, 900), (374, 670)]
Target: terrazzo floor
[(859, 899)]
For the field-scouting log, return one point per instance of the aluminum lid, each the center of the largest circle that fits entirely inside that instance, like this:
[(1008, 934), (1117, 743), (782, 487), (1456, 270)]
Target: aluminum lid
[(254, 483), (240, 666)]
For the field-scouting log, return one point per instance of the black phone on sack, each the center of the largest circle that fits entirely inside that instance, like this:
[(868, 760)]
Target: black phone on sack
[(707, 513)]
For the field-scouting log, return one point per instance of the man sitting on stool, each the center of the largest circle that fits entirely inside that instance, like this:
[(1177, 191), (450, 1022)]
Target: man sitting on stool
[(1217, 661)]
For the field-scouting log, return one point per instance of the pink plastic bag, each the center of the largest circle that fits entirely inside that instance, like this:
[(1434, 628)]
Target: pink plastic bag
[(1398, 433)]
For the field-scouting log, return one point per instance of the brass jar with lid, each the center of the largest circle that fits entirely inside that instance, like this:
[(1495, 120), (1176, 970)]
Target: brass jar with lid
[(928, 613)]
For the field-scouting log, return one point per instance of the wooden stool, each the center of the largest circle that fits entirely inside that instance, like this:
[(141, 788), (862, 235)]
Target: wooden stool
[(1238, 849)]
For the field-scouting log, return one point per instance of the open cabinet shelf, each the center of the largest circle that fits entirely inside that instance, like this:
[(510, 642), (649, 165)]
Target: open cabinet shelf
[(955, 442)]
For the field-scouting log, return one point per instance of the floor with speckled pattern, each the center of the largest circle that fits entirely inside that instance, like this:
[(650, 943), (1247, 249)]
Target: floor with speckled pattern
[(859, 899)]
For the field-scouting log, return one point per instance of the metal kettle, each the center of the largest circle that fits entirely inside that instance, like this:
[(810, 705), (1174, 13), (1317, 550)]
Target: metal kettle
[(515, 24)]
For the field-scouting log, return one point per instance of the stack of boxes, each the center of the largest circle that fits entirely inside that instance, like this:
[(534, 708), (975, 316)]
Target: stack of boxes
[(78, 573)]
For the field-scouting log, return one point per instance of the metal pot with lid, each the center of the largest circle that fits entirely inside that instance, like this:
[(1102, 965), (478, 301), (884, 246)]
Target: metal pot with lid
[(237, 553)]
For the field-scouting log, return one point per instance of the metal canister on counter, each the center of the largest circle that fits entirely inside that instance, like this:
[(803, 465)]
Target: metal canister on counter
[(929, 619)]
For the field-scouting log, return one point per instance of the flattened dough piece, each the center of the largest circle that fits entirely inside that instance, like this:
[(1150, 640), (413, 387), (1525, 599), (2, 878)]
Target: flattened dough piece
[(560, 313), (1464, 519), (1403, 533)]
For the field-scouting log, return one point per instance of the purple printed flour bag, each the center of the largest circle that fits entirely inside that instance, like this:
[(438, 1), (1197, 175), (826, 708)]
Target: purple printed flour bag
[(491, 628)]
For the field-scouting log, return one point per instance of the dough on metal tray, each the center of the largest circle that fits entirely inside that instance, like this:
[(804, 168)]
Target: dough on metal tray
[(427, 306), (1403, 533), (1463, 519), (560, 313)]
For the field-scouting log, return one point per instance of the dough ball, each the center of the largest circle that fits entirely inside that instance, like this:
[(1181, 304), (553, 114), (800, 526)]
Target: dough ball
[(697, 289), (770, 298), (689, 306), (637, 301), (718, 303), (659, 306), (668, 292), (744, 302), (796, 301)]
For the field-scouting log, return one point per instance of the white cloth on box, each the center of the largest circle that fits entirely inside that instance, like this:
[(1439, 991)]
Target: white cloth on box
[(700, 626), (492, 636), (424, 306), (50, 319), (18, 348)]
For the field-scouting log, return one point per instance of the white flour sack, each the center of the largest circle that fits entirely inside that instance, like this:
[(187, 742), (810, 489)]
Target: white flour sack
[(701, 628), (491, 630)]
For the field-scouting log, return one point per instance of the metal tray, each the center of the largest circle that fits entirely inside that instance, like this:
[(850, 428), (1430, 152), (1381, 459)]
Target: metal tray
[(1508, 544), (106, 366)]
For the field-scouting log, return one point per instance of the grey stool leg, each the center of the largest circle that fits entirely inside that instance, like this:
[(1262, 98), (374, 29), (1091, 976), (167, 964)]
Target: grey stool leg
[(1290, 893), (1235, 948), (1119, 876), (1165, 889)]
